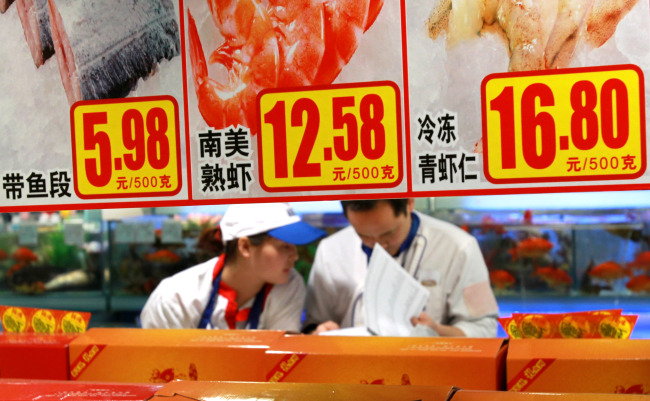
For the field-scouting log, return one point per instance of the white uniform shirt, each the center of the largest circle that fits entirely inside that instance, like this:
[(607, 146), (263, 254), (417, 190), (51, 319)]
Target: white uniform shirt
[(444, 258), (178, 302)]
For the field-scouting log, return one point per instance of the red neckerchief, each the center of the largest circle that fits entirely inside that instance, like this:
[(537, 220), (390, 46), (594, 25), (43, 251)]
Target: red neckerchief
[(233, 314)]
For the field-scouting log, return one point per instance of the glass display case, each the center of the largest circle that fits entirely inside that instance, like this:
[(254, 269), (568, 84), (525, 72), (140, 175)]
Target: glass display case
[(53, 259), (541, 257), (558, 256)]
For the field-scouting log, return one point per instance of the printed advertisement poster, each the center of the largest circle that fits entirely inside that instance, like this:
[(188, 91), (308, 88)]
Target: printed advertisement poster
[(518, 94), (170, 102), (59, 54)]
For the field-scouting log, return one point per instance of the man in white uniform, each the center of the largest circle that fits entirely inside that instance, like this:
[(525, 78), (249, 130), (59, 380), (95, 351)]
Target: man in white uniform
[(251, 285), (444, 258)]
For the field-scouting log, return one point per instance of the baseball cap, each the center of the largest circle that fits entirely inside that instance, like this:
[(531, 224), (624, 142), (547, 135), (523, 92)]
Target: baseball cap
[(276, 219)]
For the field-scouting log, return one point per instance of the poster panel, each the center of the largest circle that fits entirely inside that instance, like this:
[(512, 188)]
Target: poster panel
[(171, 102)]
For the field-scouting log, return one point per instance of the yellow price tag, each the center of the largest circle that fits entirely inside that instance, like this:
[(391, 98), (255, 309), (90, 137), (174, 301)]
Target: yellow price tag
[(341, 136), (568, 125), (126, 147)]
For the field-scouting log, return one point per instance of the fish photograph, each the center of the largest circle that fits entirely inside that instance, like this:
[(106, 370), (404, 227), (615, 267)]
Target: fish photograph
[(58, 52)]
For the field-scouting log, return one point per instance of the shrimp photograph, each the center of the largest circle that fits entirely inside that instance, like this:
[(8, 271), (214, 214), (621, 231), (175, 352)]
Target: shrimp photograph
[(453, 45), (238, 48)]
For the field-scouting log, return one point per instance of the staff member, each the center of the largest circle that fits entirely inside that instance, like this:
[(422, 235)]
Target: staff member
[(251, 285), (444, 258)]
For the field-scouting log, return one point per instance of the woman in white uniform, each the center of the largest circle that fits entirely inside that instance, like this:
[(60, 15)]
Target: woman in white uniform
[(252, 285)]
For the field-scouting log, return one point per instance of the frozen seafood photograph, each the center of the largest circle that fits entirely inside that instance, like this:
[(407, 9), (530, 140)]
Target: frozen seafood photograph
[(57, 52), (454, 44)]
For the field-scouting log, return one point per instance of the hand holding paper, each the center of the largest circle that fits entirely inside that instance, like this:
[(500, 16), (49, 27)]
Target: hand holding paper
[(391, 296)]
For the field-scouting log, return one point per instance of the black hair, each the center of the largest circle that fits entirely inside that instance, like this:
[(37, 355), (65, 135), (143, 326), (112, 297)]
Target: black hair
[(399, 206), (210, 242)]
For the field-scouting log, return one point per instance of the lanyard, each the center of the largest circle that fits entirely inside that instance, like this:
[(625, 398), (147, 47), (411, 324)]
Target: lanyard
[(256, 309)]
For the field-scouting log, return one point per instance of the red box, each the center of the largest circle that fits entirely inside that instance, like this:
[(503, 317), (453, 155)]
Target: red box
[(35, 356), (46, 390), (239, 391), (474, 363), (162, 355), (469, 395), (579, 365)]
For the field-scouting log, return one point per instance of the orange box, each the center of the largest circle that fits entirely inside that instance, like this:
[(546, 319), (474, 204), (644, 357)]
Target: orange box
[(34, 355), (233, 391), (579, 365), (470, 395), (56, 390), (162, 355), (475, 363)]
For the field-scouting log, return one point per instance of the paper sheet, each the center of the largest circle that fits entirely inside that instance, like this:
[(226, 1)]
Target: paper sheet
[(391, 296)]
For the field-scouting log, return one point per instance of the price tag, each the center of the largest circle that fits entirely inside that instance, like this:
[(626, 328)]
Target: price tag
[(124, 233), (73, 234), (172, 232), (571, 125), (144, 233), (340, 136), (126, 147), (27, 234)]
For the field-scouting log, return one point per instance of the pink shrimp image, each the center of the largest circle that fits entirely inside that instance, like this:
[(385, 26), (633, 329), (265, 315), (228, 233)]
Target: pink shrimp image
[(273, 44)]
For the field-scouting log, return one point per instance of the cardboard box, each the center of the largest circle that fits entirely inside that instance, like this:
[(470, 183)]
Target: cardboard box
[(474, 363), (470, 395), (231, 391), (34, 355), (163, 355), (46, 390), (579, 366)]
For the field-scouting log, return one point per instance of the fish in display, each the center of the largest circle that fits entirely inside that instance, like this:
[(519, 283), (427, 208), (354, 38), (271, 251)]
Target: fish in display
[(608, 271), (24, 255), (533, 247), (162, 256)]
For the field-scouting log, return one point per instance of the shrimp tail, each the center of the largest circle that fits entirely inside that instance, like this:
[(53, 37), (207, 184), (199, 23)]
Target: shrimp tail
[(373, 13), (199, 65)]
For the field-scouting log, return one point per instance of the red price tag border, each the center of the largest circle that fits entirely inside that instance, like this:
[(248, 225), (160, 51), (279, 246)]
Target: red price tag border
[(126, 100), (355, 85), (565, 71)]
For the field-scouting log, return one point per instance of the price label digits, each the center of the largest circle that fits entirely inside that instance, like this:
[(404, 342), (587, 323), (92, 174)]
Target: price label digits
[(347, 135), (586, 125), (126, 147)]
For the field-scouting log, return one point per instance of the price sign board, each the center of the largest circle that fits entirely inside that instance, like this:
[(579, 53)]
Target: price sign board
[(362, 99), (340, 136), (568, 125), (125, 148)]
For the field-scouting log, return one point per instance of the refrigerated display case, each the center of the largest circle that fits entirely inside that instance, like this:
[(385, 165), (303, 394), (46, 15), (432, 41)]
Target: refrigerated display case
[(562, 252)]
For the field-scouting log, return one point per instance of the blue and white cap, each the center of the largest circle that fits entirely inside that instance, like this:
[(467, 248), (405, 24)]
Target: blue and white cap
[(276, 219)]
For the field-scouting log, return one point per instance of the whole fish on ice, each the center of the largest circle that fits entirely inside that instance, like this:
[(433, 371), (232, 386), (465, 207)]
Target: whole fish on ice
[(35, 19), (104, 47)]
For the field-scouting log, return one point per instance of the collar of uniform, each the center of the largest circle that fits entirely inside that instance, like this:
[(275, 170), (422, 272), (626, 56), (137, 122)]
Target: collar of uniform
[(232, 315), (415, 224)]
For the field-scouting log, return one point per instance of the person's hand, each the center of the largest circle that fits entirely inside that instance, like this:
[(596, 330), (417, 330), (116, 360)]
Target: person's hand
[(442, 329), (327, 326)]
